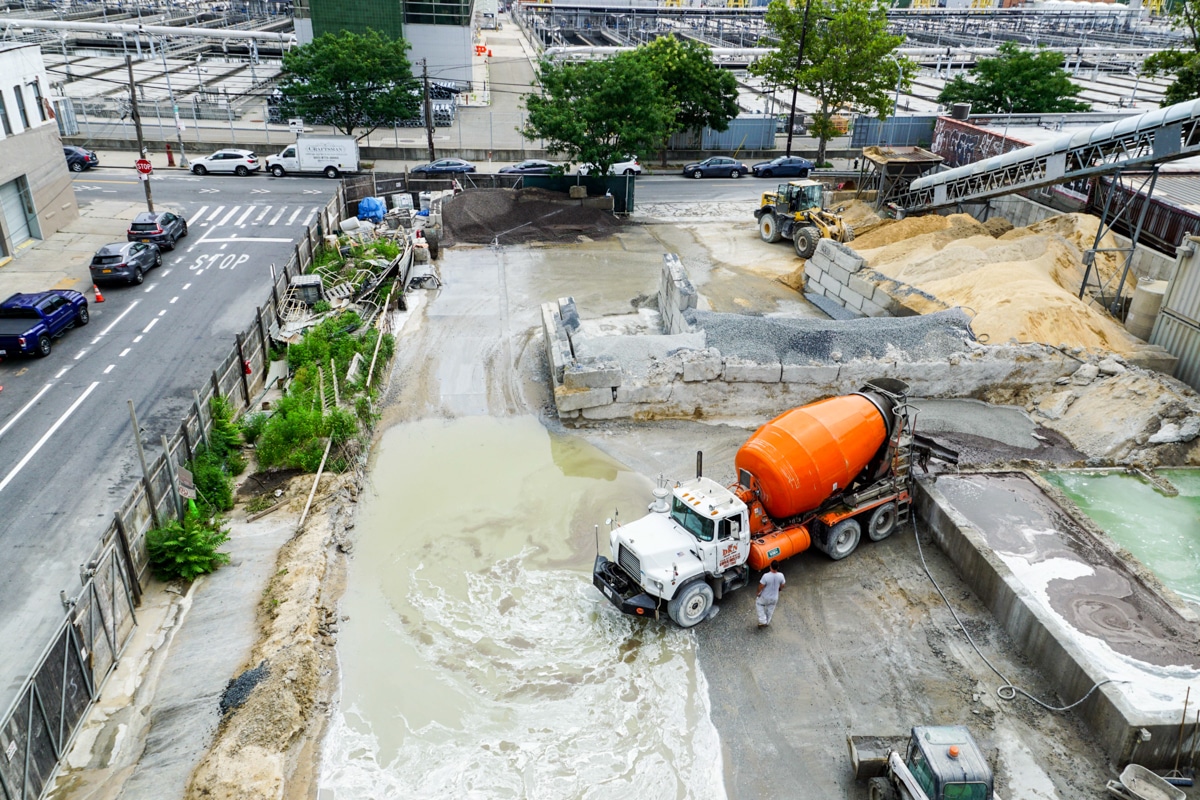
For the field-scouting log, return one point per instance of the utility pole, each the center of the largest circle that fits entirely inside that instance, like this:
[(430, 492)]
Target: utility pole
[(137, 124), (799, 65), (162, 50), (428, 106)]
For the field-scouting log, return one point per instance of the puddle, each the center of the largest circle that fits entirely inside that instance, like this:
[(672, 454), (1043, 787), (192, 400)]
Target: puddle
[(1162, 532), (478, 660)]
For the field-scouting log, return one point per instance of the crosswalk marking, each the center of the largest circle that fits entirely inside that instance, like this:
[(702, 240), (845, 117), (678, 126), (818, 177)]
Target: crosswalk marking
[(259, 218), (215, 214), (242, 218), (229, 216), (311, 213), (296, 213), (275, 219), (200, 213)]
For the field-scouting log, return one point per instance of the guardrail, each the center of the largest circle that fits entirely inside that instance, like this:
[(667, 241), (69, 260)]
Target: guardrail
[(39, 727)]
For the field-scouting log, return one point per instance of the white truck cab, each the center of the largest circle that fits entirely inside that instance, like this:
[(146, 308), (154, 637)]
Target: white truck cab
[(686, 553)]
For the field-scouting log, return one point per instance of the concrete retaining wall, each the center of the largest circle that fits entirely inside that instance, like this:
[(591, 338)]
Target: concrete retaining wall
[(676, 294), (1110, 718), (837, 272)]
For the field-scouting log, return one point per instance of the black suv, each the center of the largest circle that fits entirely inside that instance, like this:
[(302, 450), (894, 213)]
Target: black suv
[(159, 227), (125, 261)]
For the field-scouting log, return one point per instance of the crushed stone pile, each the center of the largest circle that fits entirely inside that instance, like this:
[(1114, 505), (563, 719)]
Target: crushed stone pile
[(1021, 284), (523, 215), (792, 340)]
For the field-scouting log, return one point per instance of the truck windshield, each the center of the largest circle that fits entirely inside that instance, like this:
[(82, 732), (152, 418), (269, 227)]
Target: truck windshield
[(965, 791), (693, 523)]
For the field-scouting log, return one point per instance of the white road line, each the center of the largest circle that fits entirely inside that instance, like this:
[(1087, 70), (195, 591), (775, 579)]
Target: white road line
[(150, 288), (312, 213), (61, 372), (162, 312), (13, 419), (167, 272), (137, 339), (46, 436), (259, 218), (79, 355), (185, 287), (200, 213), (123, 352), (153, 322), (242, 218), (274, 219), (118, 319), (251, 239), (173, 299), (229, 216), (109, 368), (296, 213), (215, 214), (98, 338)]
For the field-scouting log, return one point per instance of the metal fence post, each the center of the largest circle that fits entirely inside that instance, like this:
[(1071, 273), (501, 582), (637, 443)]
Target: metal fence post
[(137, 438), (171, 476), (242, 365), (200, 416), (127, 551)]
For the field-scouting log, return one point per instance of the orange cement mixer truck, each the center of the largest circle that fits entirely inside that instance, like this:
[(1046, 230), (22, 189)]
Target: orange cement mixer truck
[(817, 476)]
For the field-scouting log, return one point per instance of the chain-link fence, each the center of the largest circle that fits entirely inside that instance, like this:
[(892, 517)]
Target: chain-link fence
[(38, 728)]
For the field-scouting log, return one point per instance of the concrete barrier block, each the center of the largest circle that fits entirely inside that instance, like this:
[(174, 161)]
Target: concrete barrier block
[(838, 273), (865, 288), (592, 373), (606, 202), (811, 270), (742, 370), (558, 350), (872, 310), (818, 374), (577, 192), (578, 399), (847, 259), (569, 314), (853, 300), (644, 393), (701, 365)]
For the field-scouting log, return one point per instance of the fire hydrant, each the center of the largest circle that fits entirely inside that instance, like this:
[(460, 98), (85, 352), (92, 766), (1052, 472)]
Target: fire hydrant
[(170, 157)]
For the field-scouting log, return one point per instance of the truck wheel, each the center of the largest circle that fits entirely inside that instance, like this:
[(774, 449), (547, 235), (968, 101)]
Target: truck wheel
[(848, 236), (83, 317), (768, 228), (805, 240), (883, 522), (841, 539), (691, 605), (277, 171), (331, 172), (881, 789), (43, 347)]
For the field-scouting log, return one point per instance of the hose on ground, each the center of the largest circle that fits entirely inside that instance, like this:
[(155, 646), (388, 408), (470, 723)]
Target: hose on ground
[(1007, 691)]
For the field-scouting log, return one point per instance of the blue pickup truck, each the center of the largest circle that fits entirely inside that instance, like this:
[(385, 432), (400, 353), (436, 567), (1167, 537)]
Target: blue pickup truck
[(29, 321)]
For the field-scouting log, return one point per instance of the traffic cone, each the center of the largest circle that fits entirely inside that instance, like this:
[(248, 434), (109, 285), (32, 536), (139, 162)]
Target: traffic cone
[(99, 297)]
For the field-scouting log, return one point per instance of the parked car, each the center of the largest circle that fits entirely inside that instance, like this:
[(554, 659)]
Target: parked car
[(157, 227), (532, 166), (79, 159), (627, 167), (443, 166), (125, 261), (716, 167), (783, 167), (238, 162), (29, 321)]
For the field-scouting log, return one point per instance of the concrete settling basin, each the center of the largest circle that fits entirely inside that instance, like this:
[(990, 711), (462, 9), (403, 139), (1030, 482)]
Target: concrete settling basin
[(1079, 602)]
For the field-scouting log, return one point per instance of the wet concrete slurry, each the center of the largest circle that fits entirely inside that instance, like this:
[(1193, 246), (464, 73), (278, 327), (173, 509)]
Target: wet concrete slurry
[(1128, 630)]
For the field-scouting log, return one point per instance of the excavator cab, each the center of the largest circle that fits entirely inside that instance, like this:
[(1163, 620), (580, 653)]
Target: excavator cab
[(801, 195)]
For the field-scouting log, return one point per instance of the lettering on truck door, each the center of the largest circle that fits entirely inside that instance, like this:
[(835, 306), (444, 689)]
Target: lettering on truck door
[(727, 544)]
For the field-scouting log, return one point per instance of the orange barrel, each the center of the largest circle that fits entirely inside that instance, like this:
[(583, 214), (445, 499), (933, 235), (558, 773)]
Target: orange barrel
[(806, 455), (778, 546)]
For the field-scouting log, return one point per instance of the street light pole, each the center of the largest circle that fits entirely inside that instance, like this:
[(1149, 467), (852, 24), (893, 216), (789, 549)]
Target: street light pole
[(799, 64), (137, 124), (162, 49)]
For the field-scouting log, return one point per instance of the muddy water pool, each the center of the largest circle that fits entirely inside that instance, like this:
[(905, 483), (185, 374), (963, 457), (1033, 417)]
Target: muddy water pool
[(477, 659)]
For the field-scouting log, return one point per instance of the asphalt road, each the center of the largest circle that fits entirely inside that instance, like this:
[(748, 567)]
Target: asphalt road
[(678, 189), (67, 454)]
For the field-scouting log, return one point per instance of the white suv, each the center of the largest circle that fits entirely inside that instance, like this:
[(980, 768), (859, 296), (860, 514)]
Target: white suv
[(630, 167), (239, 162)]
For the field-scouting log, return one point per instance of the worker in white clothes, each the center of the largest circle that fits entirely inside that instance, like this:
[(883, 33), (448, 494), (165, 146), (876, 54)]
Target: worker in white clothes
[(768, 594)]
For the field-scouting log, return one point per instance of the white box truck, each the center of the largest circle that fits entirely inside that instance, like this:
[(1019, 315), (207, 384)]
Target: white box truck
[(330, 155)]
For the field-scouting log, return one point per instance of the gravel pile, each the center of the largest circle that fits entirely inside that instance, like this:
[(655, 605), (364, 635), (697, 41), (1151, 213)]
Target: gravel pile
[(237, 691), (523, 215), (791, 340)]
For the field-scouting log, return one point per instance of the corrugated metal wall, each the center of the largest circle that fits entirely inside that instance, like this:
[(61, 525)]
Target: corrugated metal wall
[(895, 131), (1178, 326), (747, 132)]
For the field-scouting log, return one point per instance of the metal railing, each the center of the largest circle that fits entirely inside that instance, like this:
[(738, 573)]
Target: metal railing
[(38, 728)]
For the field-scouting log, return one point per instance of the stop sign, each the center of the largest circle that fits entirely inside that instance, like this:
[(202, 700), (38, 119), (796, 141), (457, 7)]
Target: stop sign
[(143, 166)]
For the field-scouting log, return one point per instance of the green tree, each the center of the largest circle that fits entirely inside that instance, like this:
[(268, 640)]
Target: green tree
[(701, 93), (597, 112), (849, 58), (1017, 81), (1183, 63), (351, 81)]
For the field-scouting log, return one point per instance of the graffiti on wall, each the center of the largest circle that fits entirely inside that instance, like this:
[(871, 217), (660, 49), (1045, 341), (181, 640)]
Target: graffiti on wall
[(960, 143)]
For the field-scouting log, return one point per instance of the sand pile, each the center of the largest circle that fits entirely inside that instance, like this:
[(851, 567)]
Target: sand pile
[(861, 217), (1022, 285), (524, 215)]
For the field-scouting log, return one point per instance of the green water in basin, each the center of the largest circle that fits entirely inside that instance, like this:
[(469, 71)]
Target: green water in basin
[(1162, 532)]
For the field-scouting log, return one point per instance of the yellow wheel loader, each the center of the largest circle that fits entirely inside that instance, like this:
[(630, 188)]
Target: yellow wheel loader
[(795, 211)]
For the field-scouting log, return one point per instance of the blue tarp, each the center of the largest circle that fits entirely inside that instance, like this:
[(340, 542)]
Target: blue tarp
[(371, 209)]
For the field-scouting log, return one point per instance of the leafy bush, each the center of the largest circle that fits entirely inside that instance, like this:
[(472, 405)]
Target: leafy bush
[(252, 426), (186, 550), (321, 307), (214, 484), (225, 438)]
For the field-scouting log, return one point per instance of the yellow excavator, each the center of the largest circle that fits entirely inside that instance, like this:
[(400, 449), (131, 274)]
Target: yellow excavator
[(795, 211)]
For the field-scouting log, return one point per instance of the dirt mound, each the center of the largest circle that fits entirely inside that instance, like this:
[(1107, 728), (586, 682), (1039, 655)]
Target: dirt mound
[(523, 215)]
